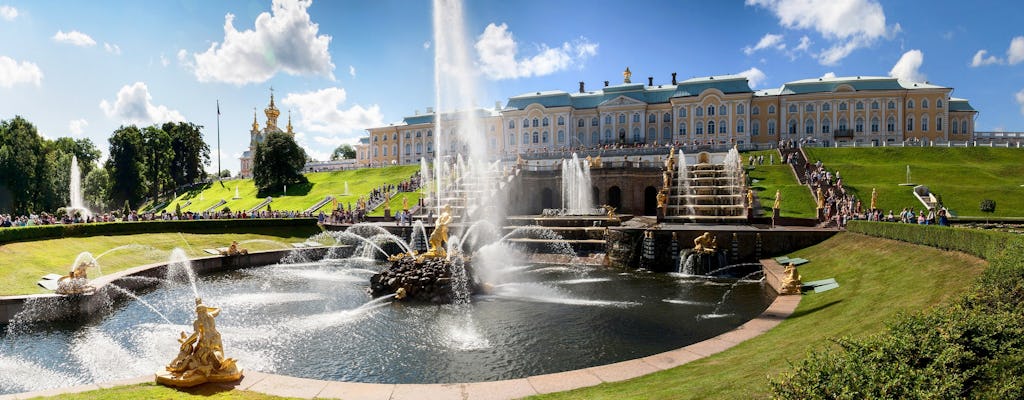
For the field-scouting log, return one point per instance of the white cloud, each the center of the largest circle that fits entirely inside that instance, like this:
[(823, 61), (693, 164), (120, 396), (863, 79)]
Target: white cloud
[(1020, 100), (980, 59), (8, 13), (134, 106), (426, 45), (805, 44), (352, 71), (164, 61), (112, 48), (283, 40), (322, 113), (769, 40), (12, 72), (1015, 54), (75, 38), (754, 76), (829, 75), (833, 19), (908, 67), (77, 126), (497, 50)]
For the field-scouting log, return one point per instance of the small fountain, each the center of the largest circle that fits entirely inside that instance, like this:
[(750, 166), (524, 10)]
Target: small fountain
[(77, 281), (201, 355), (703, 258), (708, 190), (346, 193), (236, 194)]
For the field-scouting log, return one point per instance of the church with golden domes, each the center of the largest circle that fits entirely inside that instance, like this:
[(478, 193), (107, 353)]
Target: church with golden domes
[(257, 135)]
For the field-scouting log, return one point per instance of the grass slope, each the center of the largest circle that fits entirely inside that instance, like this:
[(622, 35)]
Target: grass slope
[(154, 391), (300, 197), (796, 198), (962, 176), (24, 263), (878, 279)]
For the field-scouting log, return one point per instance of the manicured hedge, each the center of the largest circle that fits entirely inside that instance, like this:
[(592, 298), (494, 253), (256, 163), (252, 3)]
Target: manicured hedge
[(29, 233), (977, 242)]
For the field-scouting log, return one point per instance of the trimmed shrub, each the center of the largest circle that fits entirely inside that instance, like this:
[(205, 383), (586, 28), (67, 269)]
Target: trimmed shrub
[(979, 243), (30, 233)]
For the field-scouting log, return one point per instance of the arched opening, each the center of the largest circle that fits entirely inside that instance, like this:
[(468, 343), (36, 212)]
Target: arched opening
[(650, 201), (547, 199), (597, 195), (615, 197)]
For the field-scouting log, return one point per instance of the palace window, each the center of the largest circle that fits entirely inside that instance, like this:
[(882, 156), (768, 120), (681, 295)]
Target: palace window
[(622, 118), (699, 112), (860, 105), (771, 109), (594, 121), (826, 126), (667, 117), (511, 124), (595, 138), (755, 110), (536, 137), (739, 126), (526, 138), (652, 119), (511, 139), (721, 126), (809, 126), (544, 137), (636, 117), (910, 124), (740, 109), (682, 129), (938, 123), (580, 123), (809, 108), (545, 123), (792, 127), (682, 112), (419, 147), (561, 137), (874, 125), (430, 147), (938, 103), (394, 136), (700, 129), (711, 127), (579, 138), (859, 127), (430, 133), (892, 105), (771, 128), (652, 134), (954, 126), (890, 125), (755, 128), (910, 104), (792, 108), (826, 107), (607, 119), (408, 148), (375, 151), (963, 127), (561, 121), (408, 134), (842, 124), (842, 106), (419, 133), (711, 110), (608, 135), (385, 150), (666, 134), (636, 134), (536, 122), (723, 110), (874, 105), (924, 122), (924, 104)]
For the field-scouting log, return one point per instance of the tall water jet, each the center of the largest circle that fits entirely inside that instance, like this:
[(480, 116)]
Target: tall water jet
[(577, 196), (75, 190)]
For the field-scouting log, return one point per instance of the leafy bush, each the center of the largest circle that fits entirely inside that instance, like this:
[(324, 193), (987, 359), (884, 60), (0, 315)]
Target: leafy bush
[(980, 243), (988, 206), (29, 233), (972, 348)]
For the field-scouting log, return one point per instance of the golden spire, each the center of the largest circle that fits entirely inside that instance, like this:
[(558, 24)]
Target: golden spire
[(272, 112), (255, 125), (290, 132), (626, 75)]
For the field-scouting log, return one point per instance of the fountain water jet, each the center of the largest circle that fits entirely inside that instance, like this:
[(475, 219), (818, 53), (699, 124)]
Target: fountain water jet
[(75, 190)]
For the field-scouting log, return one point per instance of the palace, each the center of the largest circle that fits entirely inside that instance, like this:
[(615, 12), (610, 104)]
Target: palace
[(257, 135), (714, 110)]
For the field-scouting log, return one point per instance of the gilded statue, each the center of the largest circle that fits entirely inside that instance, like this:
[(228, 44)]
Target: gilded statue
[(666, 179), (791, 281), (201, 355), (821, 199), (77, 280), (611, 213), (596, 162), (662, 198), (874, 199), (750, 198), (705, 243), (778, 199), (439, 237), (405, 203), (519, 160), (234, 250), (670, 162)]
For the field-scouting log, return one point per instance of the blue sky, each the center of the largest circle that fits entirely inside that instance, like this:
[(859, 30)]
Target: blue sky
[(82, 69)]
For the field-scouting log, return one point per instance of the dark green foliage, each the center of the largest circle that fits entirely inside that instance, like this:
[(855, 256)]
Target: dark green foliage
[(980, 243), (278, 161), (125, 166), (189, 152), (988, 206), (344, 152), (39, 232), (972, 348)]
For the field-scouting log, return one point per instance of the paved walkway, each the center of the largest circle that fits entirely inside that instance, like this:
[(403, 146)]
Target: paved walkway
[(281, 385)]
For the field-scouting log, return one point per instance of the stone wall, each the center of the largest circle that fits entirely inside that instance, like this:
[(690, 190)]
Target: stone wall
[(528, 195)]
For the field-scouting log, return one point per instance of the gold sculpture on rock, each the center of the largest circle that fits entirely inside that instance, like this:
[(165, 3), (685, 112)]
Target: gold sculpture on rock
[(611, 213), (201, 355), (234, 250), (439, 237), (705, 243), (791, 281), (77, 280), (596, 162)]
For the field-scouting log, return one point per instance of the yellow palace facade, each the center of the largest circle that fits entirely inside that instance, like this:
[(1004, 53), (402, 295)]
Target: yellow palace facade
[(713, 110)]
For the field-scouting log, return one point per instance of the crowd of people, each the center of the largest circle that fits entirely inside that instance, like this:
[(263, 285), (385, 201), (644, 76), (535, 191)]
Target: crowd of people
[(8, 221)]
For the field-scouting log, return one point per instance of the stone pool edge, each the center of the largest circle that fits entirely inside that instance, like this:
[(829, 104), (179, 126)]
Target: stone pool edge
[(281, 385)]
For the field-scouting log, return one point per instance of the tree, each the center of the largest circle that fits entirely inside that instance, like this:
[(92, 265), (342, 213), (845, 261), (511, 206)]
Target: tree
[(22, 160), (226, 173), (277, 161), (191, 153), (96, 188), (344, 152), (988, 206), (157, 160), (125, 166), (86, 152)]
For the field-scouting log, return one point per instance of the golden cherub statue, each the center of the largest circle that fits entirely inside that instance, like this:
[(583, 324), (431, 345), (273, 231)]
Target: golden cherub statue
[(791, 281), (439, 237), (705, 243), (234, 250), (611, 213), (77, 280), (201, 355), (778, 199)]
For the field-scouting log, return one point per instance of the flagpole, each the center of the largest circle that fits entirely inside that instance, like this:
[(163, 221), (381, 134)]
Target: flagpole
[(218, 140)]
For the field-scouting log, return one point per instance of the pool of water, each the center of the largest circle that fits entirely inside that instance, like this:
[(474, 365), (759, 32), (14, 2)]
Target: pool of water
[(315, 320)]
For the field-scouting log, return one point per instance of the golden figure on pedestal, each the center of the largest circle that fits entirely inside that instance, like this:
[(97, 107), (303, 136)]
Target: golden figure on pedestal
[(439, 237), (705, 243), (791, 281), (201, 355)]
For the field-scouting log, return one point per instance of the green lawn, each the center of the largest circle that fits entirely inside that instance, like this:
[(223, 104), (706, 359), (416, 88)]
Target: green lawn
[(796, 198), (879, 278), (962, 176), (154, 391), (299, 197), (24, 263)]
